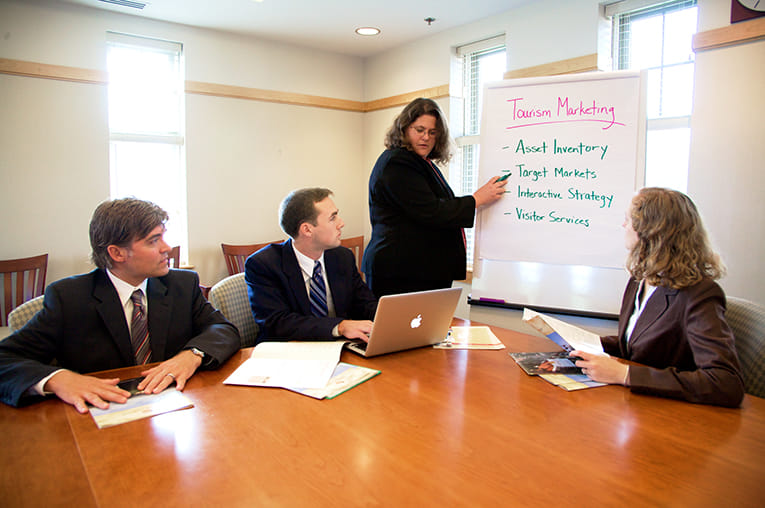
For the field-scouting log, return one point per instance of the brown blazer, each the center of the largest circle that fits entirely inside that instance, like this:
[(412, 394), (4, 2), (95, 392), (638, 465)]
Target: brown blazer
[(683, 343)]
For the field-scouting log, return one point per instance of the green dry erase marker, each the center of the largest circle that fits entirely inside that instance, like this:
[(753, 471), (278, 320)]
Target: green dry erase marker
[(504, 177)]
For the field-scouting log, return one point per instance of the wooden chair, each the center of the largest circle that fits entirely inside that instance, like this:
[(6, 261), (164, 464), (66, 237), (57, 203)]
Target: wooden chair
[(356, 244), (236, 255), (175, 257), (23, 279)]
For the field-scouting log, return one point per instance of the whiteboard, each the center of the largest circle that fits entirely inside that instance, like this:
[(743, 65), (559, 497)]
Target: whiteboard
[(573, 148)]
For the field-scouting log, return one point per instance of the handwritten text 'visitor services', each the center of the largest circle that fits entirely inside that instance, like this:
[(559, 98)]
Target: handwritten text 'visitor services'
[(564, 111)]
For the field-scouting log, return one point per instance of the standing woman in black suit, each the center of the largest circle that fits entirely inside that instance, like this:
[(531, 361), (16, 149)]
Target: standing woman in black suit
[(417, 223)]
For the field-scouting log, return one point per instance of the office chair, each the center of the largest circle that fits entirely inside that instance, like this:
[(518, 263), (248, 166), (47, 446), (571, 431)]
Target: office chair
[(236, 255), (24, 312), (230, 297), (23, 279), (356, 244), (175, 257), (747, 320)]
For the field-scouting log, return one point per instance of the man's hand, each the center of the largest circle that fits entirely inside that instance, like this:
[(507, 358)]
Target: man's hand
[(76, 389), (178, 368), (355, 329)]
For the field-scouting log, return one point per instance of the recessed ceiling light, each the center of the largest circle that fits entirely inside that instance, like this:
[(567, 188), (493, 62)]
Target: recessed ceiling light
[(368, 30)]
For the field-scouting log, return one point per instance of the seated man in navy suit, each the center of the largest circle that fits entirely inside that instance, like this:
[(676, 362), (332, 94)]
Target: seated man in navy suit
[(131, 310), (309, 287)]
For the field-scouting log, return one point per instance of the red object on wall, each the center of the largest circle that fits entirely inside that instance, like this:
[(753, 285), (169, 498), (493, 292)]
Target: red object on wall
[(740, 13)]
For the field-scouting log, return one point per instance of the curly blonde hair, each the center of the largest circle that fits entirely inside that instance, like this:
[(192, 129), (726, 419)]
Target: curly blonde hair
[(673, 249), (396, 135)]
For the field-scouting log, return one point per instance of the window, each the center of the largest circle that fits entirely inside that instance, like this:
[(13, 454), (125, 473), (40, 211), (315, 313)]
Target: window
[(657, 38), (479, 63), (146, 127)]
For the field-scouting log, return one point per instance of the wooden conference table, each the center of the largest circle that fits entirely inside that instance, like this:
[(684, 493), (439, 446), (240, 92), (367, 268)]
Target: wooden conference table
[(436, 428)]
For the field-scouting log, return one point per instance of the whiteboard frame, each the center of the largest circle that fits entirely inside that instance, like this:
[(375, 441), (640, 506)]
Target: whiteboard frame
[(560, 288)]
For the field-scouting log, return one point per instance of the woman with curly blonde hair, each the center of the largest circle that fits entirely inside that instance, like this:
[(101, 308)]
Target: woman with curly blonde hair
[(672, 319)]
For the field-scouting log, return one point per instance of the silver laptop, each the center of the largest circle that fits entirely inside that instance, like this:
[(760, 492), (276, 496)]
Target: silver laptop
[(409, 320)]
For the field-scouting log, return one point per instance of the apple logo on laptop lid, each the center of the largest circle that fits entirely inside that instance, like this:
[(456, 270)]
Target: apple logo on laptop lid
[(416, 322)]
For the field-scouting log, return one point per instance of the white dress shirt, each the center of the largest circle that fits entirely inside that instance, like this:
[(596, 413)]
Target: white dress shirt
[(644, 293), (306, 266)]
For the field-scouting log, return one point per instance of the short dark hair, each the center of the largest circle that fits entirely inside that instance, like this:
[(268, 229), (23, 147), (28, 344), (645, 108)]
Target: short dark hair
[(300, 206), (396, 135), (120, 222)]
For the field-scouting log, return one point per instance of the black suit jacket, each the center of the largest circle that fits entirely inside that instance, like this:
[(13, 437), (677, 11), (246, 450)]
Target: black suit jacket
[(279, 299), (684, 343), (82, 326), (416, 221)]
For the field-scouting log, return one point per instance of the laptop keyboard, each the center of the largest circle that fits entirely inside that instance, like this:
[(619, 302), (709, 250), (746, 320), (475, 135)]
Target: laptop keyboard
[(358, 344)]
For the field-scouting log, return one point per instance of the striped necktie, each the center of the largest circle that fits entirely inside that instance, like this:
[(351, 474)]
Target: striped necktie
[(139, 330), (318, 292)]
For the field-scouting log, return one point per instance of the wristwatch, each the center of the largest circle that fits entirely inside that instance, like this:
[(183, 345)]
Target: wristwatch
[(199, 353)]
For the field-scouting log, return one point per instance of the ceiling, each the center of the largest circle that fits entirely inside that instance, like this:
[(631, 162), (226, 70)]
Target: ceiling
[(322, 24)]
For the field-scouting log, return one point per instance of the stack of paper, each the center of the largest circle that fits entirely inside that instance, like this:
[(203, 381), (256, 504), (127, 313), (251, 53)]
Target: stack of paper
[(310, 368), (568, 337), (470, 337), (555, 367), (345, 377), (140, 406)]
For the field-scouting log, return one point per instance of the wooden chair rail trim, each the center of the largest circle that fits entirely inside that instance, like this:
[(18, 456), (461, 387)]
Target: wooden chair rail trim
[(241, 92), (737, 33), (48, 71), (731, 35), (436, 92), (88, 76), (584, 63)]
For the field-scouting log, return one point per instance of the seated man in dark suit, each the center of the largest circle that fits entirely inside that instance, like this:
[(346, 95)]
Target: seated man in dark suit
[(100, 321), (309, 287)]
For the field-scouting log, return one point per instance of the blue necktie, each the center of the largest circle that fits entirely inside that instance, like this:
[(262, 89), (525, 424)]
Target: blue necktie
[(318, 292), (139, 330)]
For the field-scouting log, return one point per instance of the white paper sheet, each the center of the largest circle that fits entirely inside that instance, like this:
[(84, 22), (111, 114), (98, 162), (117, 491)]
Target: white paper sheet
[(284, 364), (575, 336)]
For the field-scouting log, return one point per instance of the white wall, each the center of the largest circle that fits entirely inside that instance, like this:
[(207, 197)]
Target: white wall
[(54, 169), (725, 177), (242, 156)]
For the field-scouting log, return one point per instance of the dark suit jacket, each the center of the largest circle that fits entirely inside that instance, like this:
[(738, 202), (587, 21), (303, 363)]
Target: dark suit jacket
[(82, 326), (684, 343), (279, 299), (416, 221)]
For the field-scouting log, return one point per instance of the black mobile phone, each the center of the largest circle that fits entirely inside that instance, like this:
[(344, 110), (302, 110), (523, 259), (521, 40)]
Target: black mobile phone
[(131, 385)]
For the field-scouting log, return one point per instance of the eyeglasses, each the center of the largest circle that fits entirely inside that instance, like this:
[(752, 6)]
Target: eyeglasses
[(422, 130)]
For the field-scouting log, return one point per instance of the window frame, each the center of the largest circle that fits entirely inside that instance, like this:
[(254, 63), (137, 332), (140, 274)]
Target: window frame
[(173, 137), (638, 9), (465, 139)]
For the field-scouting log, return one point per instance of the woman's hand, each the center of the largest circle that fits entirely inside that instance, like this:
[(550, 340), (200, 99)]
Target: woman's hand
[(602, 367), (490, 192)]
